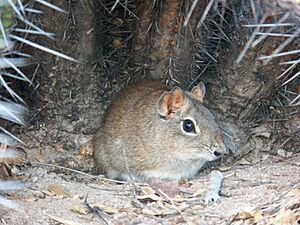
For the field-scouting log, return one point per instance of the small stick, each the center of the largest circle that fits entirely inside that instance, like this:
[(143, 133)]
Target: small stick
[(134, 199), (78, 172), (170, 200), (214, 186), (94, 210)]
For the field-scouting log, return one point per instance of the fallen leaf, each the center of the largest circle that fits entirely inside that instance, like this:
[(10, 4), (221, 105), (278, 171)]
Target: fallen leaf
[(63, 221), (105, 208), (12, 156), (31, 199), (59, 147), (80, 209), (243, 161), (165, 211), (242, 216), (257, 215), (285, 216), (149, 212), (160, 204), (146, 190), (263, 131), (149, 197), (294, 192), (224, 168), (47, 193), (58, 190)]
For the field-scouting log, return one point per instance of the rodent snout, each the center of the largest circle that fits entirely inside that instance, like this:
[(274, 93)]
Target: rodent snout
[(218, 145), (216, 153)]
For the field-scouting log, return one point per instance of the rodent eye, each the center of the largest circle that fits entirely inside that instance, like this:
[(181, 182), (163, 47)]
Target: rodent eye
[(188, 126)]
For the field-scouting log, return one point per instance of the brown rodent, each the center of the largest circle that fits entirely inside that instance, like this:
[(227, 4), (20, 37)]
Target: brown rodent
[(149, 132)]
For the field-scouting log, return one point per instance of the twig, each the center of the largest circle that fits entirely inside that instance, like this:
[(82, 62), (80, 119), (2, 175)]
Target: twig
[(170, 200), (96, 210), (134, 199), (214, 186), (79, 172)]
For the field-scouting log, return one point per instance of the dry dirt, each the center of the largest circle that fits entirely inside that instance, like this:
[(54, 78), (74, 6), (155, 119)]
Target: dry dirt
[(59, 196)]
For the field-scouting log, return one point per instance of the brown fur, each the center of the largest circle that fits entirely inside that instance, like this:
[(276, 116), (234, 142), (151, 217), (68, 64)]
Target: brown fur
[(141, 134)]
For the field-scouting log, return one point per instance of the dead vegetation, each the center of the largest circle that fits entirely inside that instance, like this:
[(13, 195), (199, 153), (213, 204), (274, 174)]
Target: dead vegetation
[(246, 53)]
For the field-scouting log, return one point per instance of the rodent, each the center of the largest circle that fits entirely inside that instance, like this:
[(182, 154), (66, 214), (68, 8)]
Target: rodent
[(149, 132)]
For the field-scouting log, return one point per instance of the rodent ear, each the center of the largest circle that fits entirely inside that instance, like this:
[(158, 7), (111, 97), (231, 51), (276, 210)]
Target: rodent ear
[(199, 91), (170, 102)]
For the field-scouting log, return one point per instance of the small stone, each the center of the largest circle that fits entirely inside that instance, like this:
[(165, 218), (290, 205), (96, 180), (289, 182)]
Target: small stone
[(281, 152), (37, 194)]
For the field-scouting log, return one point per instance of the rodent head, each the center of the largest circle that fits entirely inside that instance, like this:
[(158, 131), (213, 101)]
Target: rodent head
[(190, 130)]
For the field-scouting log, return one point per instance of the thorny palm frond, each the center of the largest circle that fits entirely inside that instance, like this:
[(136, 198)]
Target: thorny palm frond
[(287, 26), (12, 15)]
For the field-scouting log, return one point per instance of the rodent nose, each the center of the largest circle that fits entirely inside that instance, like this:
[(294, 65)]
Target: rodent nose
[(217, 153)]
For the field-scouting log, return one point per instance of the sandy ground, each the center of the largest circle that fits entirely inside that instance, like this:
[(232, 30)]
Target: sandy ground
[(55, 196)]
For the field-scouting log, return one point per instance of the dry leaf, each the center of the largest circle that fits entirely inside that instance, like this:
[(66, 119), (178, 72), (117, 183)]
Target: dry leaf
[(165, 211), (263, 131), (284, 210), (80, 209), (40, 158), (47, 193), (11, 156), (285, 216), (242, 216), (105, 208), (63, 221), (257, 215), (149, 212), (146, 190), (294, 192), (58, 190), (152, 197), (31, 199), (181, 199), (224, 168), (243, 161), (86, 149), (58, 147), (160, 204)]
